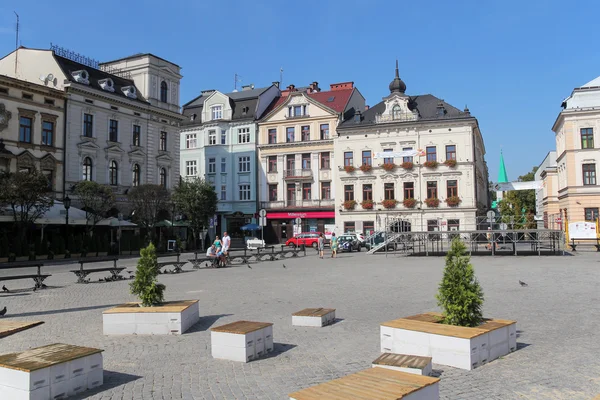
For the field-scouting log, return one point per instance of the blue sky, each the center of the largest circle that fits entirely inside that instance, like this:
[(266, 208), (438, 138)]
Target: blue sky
[(511, 62)]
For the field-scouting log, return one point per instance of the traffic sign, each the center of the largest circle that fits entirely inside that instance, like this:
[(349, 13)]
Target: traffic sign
[(298, 220), (262, 213), (262, 221), (491, 215)]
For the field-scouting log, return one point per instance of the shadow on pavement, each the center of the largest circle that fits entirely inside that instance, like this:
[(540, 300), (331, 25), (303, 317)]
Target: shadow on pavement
[(205, 323), (112, 379), (64, 310)]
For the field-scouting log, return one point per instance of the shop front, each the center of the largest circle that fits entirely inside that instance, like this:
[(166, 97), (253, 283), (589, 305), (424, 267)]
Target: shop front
[(282, 226)]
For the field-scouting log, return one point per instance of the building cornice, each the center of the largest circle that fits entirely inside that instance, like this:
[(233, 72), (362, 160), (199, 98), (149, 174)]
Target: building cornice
[(292, 145), (404, 126), (32, 87)]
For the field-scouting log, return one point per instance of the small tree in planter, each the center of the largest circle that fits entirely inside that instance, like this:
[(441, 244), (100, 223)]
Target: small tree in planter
[(388, 166), (366, 167), (453, 201), (367, 204), (431, 164), (350, 204), (389, 203), (450, 163), (145, 284), (460, 296), (409, 203), (432, 202), (349, 168)]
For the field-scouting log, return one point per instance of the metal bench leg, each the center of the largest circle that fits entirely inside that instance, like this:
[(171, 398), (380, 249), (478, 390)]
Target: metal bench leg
[(115, 274), (39, 282), (81, 275)]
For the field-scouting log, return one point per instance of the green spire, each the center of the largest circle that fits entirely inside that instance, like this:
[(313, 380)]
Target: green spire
[(502, 178)]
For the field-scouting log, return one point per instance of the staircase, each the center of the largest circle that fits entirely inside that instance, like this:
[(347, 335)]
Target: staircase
[(390, 237)]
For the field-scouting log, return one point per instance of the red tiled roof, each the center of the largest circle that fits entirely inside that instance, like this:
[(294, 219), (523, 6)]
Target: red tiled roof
[(340, 99)]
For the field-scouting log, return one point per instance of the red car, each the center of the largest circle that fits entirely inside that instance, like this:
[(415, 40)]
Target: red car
[(309, 239)]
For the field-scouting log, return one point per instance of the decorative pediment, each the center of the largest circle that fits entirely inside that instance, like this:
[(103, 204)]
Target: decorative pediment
[(407, 175), (115, 148), (388, 177), (5, 116), (26, 159), (297, 99), (88, 144), (48, 162), (137, 153), (164, 157)]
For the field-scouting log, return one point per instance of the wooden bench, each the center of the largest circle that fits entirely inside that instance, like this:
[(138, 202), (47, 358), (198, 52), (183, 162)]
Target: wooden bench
[(38, 278), (82, 273), (404, 363), (574, 246), (178, 265), (197, 262)]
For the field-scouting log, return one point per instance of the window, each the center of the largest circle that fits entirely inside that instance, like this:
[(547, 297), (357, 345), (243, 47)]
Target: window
[(349, 227), (47, 133), (244, 164), (451, 152), (212, 167), (190, 141), (87, 169), (388, 191), (431, 153), (348, 158), (212, 137), (589, 174), (272, 192), (223, 192), (272, 136), (348, 192), (25, 125), (325, 190), (223, 136), (368, 227), (163, 91), (297, 111), (453, 224), (306, 191), (432, 225), (324, 131), (452, 188), (305, 132), (272, 163), (113, 173), (137, 175), (325, 160), (163, 177), (367, 192), (306, 161), (163, 141), (290, 162), (113, 130), (191, 168), (223, 164), (291, 192), (137, 135), (244, 135), (407, 159), (587, 138), (88, 125), (409, 190), (244, 192), (591, 214), (366, 157), (388, 160), (396, 112), (217, 112), (289, 134), (27, 96), (432, 190)]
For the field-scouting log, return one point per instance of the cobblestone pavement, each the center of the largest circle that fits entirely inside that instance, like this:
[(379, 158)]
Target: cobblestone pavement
[(557, 318)]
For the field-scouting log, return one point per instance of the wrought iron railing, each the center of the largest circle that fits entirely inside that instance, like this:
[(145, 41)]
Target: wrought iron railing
[(298, 173)]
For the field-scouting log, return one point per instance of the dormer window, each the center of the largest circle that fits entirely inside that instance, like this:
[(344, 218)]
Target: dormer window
[(217, 112), (81, 76), (107, 84), (245, 110), (164, 90), (129, 91), (193, 117), (396, 112), (297, 111)]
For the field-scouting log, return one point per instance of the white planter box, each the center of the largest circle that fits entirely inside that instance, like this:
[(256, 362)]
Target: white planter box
[(404, 363), (376, 383), (456, 346), (314, 317), (170, 318), (242, 341)]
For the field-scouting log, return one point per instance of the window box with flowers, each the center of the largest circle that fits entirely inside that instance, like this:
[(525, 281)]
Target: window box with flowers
[(350, 204), (450, 163), (388, 166), (409, 203), (365, 168), (349, 168), (431, 164), (408, 165), (453, 201), (432, 202), (367, 204), (389, 203)]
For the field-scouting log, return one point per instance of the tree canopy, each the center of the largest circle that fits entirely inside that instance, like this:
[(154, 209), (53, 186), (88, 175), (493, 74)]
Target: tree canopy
[(197, 200), (96, 200), (520, 204), (147, 201)]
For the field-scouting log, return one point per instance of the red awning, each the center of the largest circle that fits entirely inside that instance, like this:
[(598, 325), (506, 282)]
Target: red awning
[(301, 214)]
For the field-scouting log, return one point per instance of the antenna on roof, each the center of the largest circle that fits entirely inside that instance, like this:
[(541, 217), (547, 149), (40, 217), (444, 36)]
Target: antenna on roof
[(236, 79), (280, 77)]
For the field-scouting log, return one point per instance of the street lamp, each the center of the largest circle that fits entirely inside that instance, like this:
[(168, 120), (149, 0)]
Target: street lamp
[(67, 204)]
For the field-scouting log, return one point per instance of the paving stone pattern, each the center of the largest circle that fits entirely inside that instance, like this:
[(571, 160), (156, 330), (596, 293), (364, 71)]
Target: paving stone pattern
[(557, 318)]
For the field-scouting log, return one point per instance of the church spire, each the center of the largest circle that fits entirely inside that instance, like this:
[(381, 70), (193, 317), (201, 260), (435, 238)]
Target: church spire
[(502, 177)]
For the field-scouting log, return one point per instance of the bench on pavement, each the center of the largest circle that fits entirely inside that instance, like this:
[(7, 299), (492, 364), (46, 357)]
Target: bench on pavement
[(38, 278), (574, 246), (197, 262), (82, 273), (177, 265), (273, 254)]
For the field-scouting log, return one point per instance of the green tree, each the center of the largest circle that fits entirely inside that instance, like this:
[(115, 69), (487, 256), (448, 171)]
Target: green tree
[(96, 200), (147, 201), (460, 296), (145, 284), (519, 205), (197, 200)]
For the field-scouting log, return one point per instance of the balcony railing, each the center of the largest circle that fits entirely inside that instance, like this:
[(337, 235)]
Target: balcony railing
[(397, 117), (298, 204), (298, 173)]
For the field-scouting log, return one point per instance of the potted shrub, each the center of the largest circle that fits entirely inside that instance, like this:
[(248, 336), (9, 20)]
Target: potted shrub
[(407, 165), (145, 285), (453, 201), (388, 166), (389, 203), (366, 167), (431, 164), (432, 202), (349, 168), (450, 163), (367, 204), (409, 203), (350, 204)]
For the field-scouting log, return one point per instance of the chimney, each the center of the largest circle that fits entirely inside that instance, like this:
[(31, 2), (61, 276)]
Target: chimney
[(341, 86), (276, 83), (367, 107), (314, 87), (248, 87), (291, 88)]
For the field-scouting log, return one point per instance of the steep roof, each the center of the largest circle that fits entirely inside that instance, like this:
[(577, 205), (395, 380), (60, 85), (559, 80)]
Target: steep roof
[(502, 176), (591, 84), (334, 99), (137, 55)]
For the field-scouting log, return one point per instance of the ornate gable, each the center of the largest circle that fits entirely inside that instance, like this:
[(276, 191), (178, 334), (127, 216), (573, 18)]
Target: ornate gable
[(26, 160), (48, 162)]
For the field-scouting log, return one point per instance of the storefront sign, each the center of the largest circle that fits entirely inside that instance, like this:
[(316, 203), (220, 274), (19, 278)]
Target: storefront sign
[(294, 215)]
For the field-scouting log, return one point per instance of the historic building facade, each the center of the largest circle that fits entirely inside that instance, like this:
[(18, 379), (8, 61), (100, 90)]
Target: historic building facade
[(295, 150), (409, 163), (218, 143), (32, 123), (577, 153), (546, 198), (116, 132)]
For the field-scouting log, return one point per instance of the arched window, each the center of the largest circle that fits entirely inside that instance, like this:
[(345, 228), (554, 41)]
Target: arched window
[(396, 111), (87, 169), (113, 173), (163, 91), (137, 174), (163, 177)]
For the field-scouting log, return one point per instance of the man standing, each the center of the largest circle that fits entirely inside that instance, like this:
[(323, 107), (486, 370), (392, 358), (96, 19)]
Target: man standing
[(226, 244)]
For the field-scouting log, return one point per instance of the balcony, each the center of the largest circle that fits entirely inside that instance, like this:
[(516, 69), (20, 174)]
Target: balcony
[(298, 174), (270, 205)]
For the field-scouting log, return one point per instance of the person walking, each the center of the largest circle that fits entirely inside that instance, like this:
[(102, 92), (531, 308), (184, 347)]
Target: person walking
[(226, 245), (321, 245), (334, 245)]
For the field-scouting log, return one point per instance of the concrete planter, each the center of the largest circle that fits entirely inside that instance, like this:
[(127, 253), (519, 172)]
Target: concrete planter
[(456, 346), (170, 318), (314, 317), (242, 341)]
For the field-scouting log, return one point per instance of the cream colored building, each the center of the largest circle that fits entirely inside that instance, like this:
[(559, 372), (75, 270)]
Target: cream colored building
[(546, 198), (295, 150), (32, 130), (402, 125), (578, 153)]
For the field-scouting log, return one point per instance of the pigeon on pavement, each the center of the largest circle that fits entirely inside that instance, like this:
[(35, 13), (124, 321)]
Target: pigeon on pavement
[(3, 312), (248, 265), (523, 284), (284, 266), (4, 289)]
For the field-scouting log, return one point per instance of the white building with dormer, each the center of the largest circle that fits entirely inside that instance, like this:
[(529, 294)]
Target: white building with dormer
[(122, 117)]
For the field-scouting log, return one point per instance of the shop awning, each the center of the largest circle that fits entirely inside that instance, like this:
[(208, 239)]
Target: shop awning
[(301, 214)]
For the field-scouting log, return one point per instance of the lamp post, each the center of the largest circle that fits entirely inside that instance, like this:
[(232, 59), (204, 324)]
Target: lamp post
[(67, 205)]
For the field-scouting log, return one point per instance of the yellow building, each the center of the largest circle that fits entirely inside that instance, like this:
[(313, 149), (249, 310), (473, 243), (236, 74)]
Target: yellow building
[(295, 150)]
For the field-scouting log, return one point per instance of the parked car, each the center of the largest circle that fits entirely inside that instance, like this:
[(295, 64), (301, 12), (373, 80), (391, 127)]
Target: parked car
[(359, 236), (309, 239), (348, 242)]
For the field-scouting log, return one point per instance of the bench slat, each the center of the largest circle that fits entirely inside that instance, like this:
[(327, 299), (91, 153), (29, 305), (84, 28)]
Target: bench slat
[(14, 278), (45, 356)]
